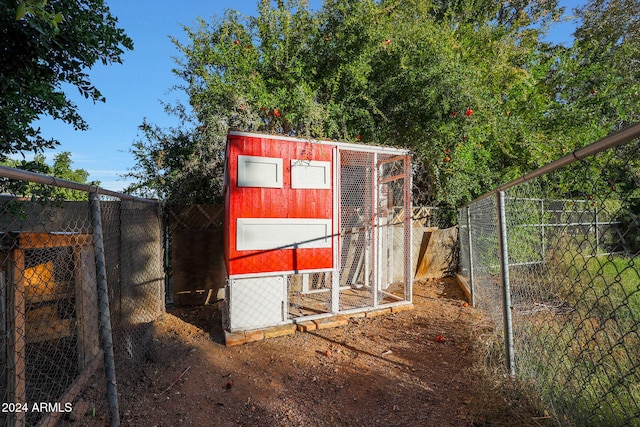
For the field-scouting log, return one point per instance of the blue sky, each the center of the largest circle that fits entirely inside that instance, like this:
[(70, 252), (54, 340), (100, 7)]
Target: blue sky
[(135, 88)]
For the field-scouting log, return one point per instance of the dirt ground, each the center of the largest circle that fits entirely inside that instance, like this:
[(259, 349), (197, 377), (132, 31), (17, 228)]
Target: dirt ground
[(411, 368)]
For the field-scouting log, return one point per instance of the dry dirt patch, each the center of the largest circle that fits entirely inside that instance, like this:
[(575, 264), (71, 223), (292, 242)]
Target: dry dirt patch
[(411, 368)]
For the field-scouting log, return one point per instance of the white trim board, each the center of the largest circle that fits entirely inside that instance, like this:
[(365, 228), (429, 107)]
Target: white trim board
[(310, 174), (257, 171), (282, 233)]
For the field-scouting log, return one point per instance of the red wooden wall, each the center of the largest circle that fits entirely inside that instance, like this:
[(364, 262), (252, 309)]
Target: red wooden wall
[(285, 202)]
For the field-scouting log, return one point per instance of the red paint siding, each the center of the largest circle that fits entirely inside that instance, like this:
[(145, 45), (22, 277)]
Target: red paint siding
[(254, 202)]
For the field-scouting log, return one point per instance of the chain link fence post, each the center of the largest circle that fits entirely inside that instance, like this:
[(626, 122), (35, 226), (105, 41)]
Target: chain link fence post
[(103, 304), (506, 286), (472, 287), (563, 247)]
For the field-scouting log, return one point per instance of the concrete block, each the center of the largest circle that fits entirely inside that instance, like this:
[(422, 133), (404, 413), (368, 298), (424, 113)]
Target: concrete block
[(399, 308), (357, 315), (376, 313)]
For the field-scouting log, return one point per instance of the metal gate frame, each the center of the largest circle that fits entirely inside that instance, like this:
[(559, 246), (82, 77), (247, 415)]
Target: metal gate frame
[(376, 252)]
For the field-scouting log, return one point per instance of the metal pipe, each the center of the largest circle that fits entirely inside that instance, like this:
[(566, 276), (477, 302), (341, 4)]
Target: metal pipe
[(337, 229), (19, 174), (103, 305), (375, 233), (596, 230), (622, 137), (543, 250), (472, 285), (408, 231), (506, 286)]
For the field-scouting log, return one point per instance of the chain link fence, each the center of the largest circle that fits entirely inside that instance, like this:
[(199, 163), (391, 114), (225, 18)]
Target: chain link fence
[(133, 237), (553, 258), (80, 283)]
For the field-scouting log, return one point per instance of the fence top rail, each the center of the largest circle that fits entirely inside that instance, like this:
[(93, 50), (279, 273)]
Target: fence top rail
[(22, 175), (615, 139), (537, 199)]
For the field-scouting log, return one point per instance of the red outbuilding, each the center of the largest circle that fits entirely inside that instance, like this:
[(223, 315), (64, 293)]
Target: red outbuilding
[(313, 228)]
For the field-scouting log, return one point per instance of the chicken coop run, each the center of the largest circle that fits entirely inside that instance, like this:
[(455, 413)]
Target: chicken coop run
[(48, 319), (314, 229)]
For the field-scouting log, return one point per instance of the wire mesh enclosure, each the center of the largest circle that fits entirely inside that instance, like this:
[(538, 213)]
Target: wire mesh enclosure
[(314, 228), (554, 260), (60, 324), (133, 236), (49, 303)]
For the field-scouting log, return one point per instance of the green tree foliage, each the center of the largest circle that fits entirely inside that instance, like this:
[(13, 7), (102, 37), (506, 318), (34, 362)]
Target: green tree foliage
[(458, 90), (442, 79), (469, 87), (240, 73), (44, 45), (597, 85), (181, 165), (61, 168), (597, 79)]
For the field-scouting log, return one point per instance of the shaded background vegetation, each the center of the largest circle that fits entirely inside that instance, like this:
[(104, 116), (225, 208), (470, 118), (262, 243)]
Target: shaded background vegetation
[(470, 87)]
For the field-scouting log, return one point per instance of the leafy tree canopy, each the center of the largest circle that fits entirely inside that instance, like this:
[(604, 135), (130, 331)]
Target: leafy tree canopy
[(44, 45), (468, 86), (597, 79)]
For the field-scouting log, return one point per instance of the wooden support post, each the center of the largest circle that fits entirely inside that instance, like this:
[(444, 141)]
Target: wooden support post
[(16, 309), (86, 305)]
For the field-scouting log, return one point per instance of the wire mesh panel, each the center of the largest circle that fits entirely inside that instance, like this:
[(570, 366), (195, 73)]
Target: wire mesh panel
[(257, 302), (485, 259), (573, 239), (48, 303), (393, 226), (309, 294), (576, 313), (375, 229), (55, 332), (357, 216), (135, 273)]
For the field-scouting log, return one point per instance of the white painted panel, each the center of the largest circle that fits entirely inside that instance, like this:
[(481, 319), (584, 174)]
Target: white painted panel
[(255, 171), (310, 174), (257, 302), (282, 233)]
